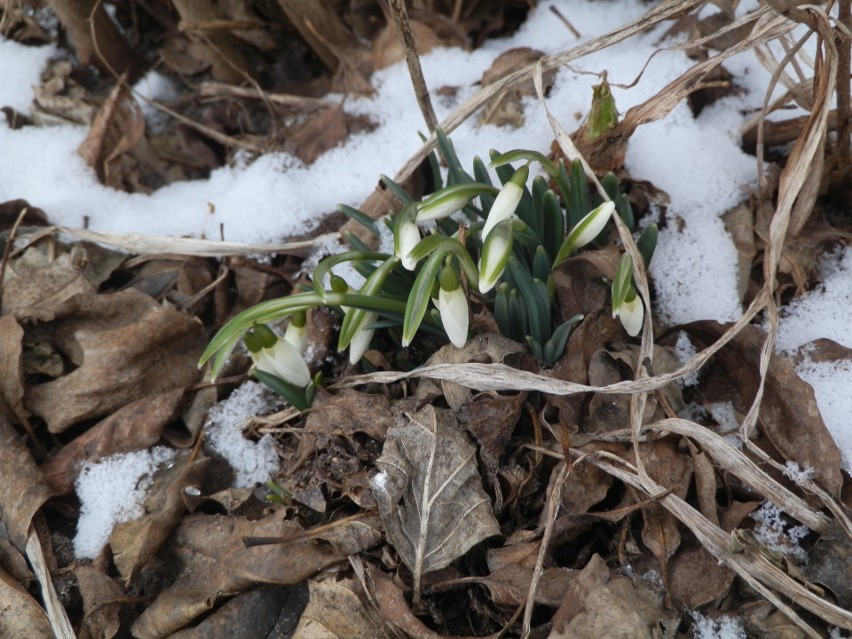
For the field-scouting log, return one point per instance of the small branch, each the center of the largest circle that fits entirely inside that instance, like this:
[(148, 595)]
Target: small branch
[(406, 36), (844, 108)]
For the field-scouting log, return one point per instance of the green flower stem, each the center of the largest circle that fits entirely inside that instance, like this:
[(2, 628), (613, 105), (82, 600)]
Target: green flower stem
[(353, 319), (272, 310), (325, 266), (429, 245)]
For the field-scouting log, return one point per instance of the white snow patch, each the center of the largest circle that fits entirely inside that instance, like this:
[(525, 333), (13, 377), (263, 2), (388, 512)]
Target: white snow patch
[(720, 628), (253, 462), (111, 491)]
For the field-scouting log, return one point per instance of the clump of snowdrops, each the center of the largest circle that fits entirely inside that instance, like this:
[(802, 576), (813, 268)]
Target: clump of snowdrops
[(468, 238)]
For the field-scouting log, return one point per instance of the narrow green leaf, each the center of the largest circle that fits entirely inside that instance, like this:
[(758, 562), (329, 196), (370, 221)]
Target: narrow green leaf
[(501, 309), (625, 211), (518, 320), (580, 188), (355, 316), (293, 394), (647, 243), (621, 282), (421, 295), (535, 347), (541, 264), (396, 189), (359, 216), (538, 311), (555, 346), (483, 177), (457, 174), (554, 224)]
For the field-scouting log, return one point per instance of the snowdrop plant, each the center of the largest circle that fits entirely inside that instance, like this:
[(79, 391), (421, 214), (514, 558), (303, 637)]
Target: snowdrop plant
[(468, 240)]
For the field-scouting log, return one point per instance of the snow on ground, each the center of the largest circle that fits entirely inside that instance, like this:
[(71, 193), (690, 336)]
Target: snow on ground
[(697, 161)]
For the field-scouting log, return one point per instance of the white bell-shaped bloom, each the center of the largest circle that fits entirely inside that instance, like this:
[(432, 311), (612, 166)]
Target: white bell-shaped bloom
[(507, 200), (586, 230), (408, 238), (495, 255), (631, 312), (285, 361), (452, 305), (362, 338)]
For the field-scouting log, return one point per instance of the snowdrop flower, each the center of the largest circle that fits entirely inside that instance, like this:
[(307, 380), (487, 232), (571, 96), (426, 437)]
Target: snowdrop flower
[(452, 305), (586, 230), (450, 200), (631, 312), (495, 255), (362, 338), (276, 356), (297, 332), (507, 200), (406, 236)]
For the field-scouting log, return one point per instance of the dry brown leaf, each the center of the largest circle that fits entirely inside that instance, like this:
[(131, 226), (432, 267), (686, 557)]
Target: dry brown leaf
[(491, 419), (510, 584), (215, 563), (593, 576), (126, 346), (137, 426), (322, 131), (830, 562), (134, 542), (506, 108), (618, 608), (103, 600), (429, 492), (11, 369), (260, 613), (696, 577), (487, 348), (388, 50), (21, 616), (38, 293), (335, 610), (23, 488), (394, 608), (118, 126), (789, 414)]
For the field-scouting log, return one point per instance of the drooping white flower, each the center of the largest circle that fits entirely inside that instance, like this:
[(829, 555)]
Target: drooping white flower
[(277, 356), (586, 230), (495, 255), (405, 240), (631, 312), (452, 305), (362, 338), (507, 200)]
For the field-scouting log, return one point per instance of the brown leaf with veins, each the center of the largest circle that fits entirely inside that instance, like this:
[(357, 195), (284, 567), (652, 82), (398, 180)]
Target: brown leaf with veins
[(215, 563), (126, 346), (137, 426), (429, 492)]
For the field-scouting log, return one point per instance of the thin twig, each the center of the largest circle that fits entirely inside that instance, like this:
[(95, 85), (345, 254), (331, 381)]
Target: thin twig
[(7, 250), (406, 37)]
